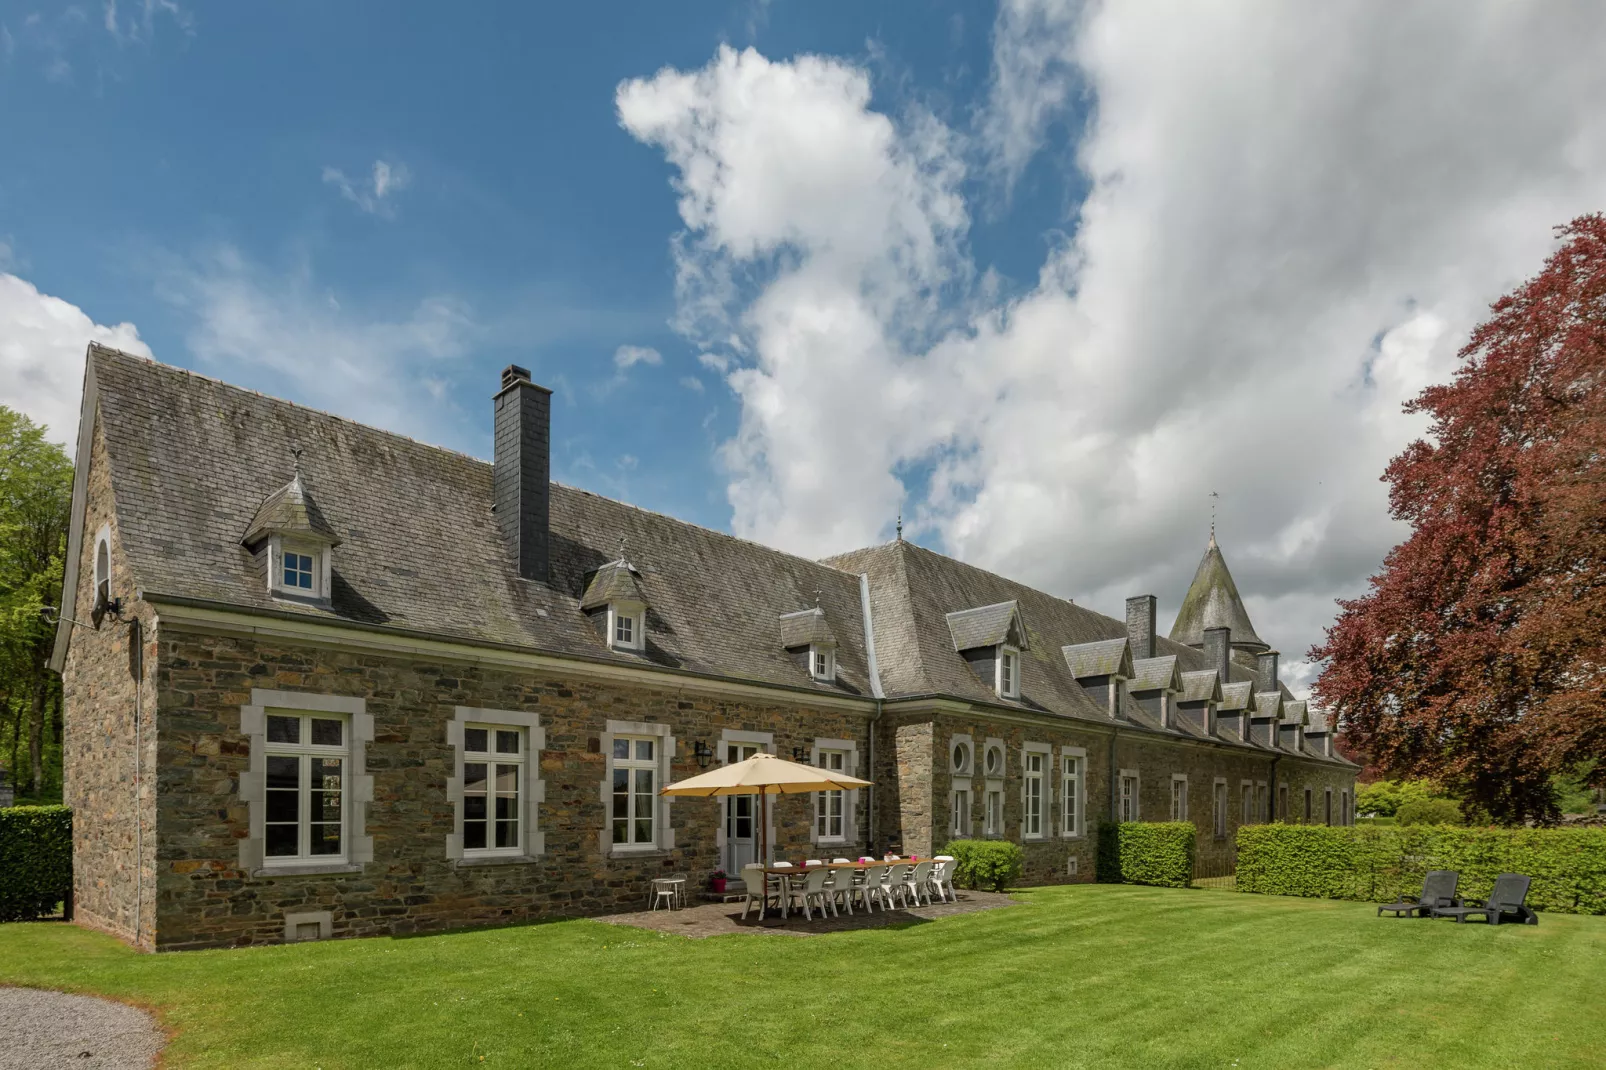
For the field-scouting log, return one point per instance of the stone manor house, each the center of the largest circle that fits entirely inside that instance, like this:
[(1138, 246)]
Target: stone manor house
[(322, 680)]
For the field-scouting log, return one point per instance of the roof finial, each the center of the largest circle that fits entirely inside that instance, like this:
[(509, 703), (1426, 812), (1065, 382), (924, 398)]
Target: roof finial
[(1214, 497), (816, 598), (622, 549), (900, 523), (296, 451)]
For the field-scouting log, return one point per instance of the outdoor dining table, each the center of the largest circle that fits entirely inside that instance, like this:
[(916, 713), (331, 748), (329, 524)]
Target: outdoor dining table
[(788, 872)]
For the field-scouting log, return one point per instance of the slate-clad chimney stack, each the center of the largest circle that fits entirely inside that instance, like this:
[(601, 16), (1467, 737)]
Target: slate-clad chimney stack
[(522, 472), (1140, 625), (1218, 648), (1266, 662)]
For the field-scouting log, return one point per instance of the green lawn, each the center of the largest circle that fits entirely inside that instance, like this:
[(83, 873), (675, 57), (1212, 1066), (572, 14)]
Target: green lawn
[(1091, 975)]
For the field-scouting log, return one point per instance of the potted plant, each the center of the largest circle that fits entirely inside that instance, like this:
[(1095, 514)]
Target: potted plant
[(717, 882)]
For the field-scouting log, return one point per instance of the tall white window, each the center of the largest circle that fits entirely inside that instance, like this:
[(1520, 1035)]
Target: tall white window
[(1179, 797), (1262, 802), (1071, 796), (993, 817), (635, 790), (493, 790), (1032, 796), (822, 663), (305, 812), (1008, 672), (1246, 803), (830, 807), (1129, 796), (1282, 803), (103, 569), (961, 814), (1221, 809)]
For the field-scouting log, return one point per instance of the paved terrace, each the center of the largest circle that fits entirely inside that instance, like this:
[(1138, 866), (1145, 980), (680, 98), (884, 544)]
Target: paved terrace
[(715, 919)]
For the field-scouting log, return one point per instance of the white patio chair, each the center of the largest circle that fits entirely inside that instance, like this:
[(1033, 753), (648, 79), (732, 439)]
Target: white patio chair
[(917, 882), (886, 885), (840, 861), (898, 881), (839, 887), (781, 886), (813, 891), (869, 886), (942, 879), (757, 886)]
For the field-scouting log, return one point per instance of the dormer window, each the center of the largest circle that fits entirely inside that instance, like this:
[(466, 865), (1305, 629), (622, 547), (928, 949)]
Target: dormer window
[(614, 598), (297, 540), (627, 630), (1008, 672), (298, 571), (822, 663)]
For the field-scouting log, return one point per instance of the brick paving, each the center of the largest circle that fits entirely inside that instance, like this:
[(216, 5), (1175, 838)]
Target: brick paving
[(715, 919)]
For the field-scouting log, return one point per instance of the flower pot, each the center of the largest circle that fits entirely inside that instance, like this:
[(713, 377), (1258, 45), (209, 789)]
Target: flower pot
[(718, 884)]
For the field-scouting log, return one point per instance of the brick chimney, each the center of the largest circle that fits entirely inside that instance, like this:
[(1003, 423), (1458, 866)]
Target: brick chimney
[(1140, 625), (1266, 662), (1218, 648), (521, 475)]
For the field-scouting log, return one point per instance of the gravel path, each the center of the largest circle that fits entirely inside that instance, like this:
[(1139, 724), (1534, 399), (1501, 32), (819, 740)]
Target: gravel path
[(42, 1030)]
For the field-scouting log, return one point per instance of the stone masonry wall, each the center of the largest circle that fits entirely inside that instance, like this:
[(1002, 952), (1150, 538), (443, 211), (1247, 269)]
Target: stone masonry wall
[(113, 816), (205, 898)]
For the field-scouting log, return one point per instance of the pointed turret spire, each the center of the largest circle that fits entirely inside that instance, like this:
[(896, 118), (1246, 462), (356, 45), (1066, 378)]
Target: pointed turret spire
[(1212, 601)]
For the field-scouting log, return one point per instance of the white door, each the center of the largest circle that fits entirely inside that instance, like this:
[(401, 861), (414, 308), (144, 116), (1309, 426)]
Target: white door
[(741, 817)]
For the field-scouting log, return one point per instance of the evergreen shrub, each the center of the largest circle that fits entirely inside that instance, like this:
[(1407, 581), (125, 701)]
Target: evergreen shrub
[(989, 865), (1430, 812), (35, 860), (1146, 852), (1380, 863)]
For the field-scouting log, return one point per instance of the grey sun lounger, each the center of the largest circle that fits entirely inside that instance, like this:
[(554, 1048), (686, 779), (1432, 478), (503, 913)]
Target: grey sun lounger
[(1438, 890), (1508, 901)]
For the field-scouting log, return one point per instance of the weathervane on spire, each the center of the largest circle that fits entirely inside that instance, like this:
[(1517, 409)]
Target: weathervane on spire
[(900, 523), (295, 451), (1214, 497)]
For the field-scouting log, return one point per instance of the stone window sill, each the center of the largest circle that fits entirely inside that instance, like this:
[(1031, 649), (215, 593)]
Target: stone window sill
[(637, 852), (496, 860), (312, 869)]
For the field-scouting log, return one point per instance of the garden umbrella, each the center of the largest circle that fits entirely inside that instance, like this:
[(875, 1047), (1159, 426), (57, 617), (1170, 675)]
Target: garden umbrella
[(764, 775)]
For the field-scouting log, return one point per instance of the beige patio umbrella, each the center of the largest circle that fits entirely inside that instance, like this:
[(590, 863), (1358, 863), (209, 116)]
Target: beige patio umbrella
[(764, 775)]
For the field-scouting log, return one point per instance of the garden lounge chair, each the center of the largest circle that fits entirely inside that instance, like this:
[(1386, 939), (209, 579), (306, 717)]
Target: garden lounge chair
[(1508, 900), (1438, 890)]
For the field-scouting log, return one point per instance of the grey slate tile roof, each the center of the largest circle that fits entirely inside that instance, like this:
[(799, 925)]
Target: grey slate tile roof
[(1201, 685), (192, 460), (1106, 657), (1294, 713), (1213, 601), (290, 510), (806, 627), (613, 584), (1237, 695), (1269, 704), (987, 626), (1152, 674)]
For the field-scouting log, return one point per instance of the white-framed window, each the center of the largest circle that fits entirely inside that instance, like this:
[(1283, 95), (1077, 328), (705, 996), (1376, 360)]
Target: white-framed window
[(1261, 801), (1246, 802), (1008, 682), (961, 812), (1033, 790), (1220, 808), (103, 566), (1282, 803), (993, 812), (822, 663), (1071, 794), (305, 800), (1179, 797), (1129, 795), (634, 813), (494, 790), (298, 569), (626, 625), (993, 763), (830, 807)]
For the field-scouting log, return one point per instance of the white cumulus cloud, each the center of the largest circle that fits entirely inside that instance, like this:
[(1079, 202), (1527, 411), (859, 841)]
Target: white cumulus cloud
[(1295, 217), (629, 356)]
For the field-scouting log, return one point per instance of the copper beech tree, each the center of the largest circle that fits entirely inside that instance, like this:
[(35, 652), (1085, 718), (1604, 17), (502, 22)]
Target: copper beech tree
[(1478, 656)]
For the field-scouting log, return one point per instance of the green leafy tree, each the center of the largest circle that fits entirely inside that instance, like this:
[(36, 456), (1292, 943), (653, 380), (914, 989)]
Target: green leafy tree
[(1384, 798), (35, 505), (1431, 812)]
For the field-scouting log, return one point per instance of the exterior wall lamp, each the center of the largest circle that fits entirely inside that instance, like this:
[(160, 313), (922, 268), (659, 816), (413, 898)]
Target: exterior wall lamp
[(703, 754)]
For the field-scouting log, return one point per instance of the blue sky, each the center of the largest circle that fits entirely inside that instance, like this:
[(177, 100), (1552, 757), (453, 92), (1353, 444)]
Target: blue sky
[(1042, 275), (520, 198)]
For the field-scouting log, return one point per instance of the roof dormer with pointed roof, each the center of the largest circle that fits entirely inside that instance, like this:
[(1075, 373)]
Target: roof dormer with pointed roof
[(295, 542), (1213, 601)]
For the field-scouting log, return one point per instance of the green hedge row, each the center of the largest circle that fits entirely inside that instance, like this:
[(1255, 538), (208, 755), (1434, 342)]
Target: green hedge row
[(35, 860), (1379, 863), (991, 865), (1144, 852)]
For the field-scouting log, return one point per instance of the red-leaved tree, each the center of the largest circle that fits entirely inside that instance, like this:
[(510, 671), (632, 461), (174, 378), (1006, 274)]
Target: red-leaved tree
[(1478, 656)]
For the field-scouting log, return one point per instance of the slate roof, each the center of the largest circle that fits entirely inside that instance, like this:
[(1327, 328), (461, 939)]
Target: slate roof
[(806, 627), (1237, 695), (987, 626), (1213, 601), (290, 510), (193, 460), (1294, 713), (1106, 657), (1152, 674), (1269, 704), (1201, 685), (613, 584)]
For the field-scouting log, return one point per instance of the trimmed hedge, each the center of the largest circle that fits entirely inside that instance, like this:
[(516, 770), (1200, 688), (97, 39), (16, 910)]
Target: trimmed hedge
[(1145, 852), (990, 865), (35, 860), (1380, 863), (1430, 812)]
